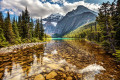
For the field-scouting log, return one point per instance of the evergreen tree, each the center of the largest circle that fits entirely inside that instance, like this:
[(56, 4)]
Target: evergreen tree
[(117, 25), (2, 38), (37, 29), (15, 28), (19, 24), (8, 29), (32, 27), (104, 21), (41, 31), (1, 21), (25, 24)]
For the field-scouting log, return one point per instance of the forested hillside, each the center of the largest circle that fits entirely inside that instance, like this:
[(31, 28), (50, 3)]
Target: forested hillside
[(106, 31), (20, 30)]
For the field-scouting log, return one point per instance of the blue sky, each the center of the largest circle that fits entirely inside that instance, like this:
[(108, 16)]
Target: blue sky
[(44, 8)]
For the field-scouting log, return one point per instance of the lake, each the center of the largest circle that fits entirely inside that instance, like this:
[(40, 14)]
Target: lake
[(60, 59)]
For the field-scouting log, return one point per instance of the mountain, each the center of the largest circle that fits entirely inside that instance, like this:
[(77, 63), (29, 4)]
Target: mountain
[(50, 23), (73, 20), (54, 17)]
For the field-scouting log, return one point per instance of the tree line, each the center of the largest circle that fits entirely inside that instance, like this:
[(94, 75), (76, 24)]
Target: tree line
[(20, 30), (106, 29), (109, 21)]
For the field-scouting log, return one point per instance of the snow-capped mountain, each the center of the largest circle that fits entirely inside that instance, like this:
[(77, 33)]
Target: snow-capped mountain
[(54, 17), (50, 23)]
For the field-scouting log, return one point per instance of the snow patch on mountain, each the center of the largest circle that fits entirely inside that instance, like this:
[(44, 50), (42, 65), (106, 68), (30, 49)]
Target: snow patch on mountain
[(54, 23)]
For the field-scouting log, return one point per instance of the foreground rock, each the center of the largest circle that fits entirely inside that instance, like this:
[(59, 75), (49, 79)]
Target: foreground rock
[(39, 77), (15, 48), (69, 78), (51, 75)]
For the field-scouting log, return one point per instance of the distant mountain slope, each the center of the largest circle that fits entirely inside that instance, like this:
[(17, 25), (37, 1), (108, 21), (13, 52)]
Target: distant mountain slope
[(73, 20), (80, 30)]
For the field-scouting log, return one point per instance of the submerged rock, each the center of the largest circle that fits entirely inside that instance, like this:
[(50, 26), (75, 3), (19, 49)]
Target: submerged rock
[(69, 78), (51, 75), (61, 69), (39, 77)]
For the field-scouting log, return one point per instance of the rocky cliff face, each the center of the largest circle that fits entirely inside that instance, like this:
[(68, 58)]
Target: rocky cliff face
[(51, 22), (73, 20)]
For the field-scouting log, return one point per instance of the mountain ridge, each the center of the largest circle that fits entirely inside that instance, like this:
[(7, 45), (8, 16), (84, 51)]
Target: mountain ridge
[(73, 20)]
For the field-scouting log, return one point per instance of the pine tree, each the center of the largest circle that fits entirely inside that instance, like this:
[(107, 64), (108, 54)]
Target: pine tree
[(32, 28), (25, 24), (41, 30), (2, 38), (9, 30), (37, 29), (1, 21), (19, 24), (117, 25), (15, 28)]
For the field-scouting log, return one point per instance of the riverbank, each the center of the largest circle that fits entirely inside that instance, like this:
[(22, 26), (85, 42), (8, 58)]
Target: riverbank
[(15, 48), (116, 55)]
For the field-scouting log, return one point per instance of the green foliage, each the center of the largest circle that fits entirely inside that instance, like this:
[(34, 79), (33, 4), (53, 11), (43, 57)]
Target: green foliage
[(2, 38), (106, 45), (37, 29), (89, 31), (10, 36), (21, 30), (41, 31), (15, 29), (35, 40), (3, 41), (117, 54)]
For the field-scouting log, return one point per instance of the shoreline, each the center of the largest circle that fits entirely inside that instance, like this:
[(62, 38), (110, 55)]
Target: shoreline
[(15, 48)]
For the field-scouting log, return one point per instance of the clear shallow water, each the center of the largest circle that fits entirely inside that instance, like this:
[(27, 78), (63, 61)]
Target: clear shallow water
[(60, 60)]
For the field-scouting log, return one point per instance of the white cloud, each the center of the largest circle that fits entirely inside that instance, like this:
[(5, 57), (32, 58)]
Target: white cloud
[(55, 1), (58, 1), (10, 12), (38, 9), (43, 0)]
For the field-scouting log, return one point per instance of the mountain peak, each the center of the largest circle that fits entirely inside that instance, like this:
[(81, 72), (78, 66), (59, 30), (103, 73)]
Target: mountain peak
[(54, 17), (81, 7), (56, 14)]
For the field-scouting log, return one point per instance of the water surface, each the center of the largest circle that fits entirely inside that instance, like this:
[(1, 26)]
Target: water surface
[(60, 60)]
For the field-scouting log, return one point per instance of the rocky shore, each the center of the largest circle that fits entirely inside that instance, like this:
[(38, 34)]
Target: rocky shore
[(15, 48)]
